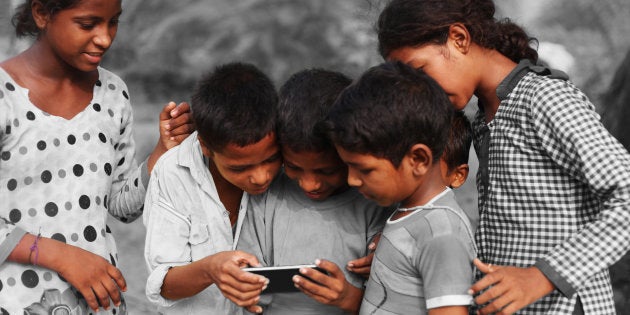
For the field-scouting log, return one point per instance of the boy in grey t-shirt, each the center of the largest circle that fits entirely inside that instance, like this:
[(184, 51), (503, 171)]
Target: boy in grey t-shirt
[(390, 127), (310, 214)]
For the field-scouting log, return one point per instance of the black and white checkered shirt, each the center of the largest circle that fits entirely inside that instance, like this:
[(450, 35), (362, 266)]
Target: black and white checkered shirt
[(554, 190)]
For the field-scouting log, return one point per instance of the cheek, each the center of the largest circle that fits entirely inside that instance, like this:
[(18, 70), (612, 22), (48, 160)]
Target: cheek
[(291, 173), (337, 181), (274, 168), (239, 180)]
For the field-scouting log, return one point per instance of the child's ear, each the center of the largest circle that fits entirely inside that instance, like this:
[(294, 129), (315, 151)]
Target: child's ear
[(459, 36), (204, 148), (459, 175), (421, 159), (40, 15)]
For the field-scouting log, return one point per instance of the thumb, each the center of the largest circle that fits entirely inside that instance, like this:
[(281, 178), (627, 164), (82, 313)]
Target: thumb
[(165, 114), (245, 259), (183, 107), (485, 268)]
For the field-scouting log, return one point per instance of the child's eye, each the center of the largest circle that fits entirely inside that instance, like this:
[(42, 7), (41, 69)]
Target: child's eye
[(86, 26), (365, 171), (291, 167), (329, 171), (237, 169), (273, 158)]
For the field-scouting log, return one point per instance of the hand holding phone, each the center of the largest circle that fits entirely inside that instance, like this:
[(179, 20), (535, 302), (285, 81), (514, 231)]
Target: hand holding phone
[(281, 277)]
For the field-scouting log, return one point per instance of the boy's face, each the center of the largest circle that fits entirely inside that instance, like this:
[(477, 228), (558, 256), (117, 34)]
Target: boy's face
[(377, 178), (319, 174), (250, 168)]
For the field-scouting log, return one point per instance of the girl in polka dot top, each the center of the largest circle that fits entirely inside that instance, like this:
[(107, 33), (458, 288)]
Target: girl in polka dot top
[(67, 159)]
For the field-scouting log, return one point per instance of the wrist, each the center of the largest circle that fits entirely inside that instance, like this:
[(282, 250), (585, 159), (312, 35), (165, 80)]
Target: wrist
[(352, 301), (52, 254), (155, 155), (545, 286)]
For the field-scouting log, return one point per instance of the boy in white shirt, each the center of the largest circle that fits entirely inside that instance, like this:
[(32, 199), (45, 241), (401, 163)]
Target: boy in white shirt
[(198, 195)]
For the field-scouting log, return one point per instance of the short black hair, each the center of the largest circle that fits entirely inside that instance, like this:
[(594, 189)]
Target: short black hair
[(456, 151), (236, 103), (391, 107), (305, 99)]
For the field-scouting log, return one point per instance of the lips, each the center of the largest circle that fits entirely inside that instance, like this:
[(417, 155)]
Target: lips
[(313, 194), (259, 190), (94, 57)]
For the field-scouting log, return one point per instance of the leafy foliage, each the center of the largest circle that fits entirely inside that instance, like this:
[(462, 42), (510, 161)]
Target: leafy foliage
[(280, 36)]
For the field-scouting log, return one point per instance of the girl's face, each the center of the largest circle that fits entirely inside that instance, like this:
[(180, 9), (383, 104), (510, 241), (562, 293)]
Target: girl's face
[(445, 65), (80, 35)]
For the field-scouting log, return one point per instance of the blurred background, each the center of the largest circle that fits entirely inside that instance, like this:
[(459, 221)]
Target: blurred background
[(163, 47)]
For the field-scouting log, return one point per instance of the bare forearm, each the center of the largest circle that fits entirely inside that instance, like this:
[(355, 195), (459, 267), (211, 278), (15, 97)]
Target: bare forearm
[(41, 251), (155, 155), (449, 310), (185, 281)]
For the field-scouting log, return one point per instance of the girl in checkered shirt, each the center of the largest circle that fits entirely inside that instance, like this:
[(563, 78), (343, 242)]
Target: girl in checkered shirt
[(554, 185), (67, 160)]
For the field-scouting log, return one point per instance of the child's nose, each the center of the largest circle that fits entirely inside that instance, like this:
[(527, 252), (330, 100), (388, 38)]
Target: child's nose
[(353, 180), (103, 38), (260, 176), (310, 183)]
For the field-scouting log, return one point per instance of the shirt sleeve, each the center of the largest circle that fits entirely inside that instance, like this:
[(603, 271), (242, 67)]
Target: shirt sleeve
[(10, 236), (446, 269), (128, 186), (573, 137), (164, 247)]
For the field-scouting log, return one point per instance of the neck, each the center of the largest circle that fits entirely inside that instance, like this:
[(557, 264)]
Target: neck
[(39, 61), (229, 194), (429, 186), (494, 68)]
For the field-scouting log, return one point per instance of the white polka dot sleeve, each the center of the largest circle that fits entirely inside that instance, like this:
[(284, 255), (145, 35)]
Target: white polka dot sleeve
[(128, 190)]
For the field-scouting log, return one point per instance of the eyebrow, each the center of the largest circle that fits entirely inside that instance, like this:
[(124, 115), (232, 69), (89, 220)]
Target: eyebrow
[(275, 155), (92, 17)]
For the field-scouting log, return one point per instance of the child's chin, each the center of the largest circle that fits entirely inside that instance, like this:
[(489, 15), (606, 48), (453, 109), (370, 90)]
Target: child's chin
[(256, 191)]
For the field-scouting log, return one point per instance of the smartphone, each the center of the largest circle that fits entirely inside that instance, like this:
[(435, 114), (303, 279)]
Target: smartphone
[(281, 277)]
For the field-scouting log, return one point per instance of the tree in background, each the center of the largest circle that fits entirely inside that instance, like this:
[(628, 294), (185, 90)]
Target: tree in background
[(596, 33), (185, 38)]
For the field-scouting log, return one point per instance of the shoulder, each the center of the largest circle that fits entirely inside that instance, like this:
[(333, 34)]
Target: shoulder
[(549, 93), (433, 223), (171, 164), (107, 77), (442, 221), (112, 93)]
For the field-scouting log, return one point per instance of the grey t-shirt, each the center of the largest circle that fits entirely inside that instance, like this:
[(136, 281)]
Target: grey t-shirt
[(284, 227), (423, 261)]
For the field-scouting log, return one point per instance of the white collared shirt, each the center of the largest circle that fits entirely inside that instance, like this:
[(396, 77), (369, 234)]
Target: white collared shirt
[(186, 221)]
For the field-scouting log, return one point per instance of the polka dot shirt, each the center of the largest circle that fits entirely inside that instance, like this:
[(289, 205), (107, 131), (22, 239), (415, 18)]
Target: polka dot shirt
[(61, 177)]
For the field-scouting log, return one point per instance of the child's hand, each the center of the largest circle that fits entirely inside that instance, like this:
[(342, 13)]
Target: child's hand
[(93, 276), (175, 124), (509, 288), (242, 288), (363, 265), (331, 289)]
